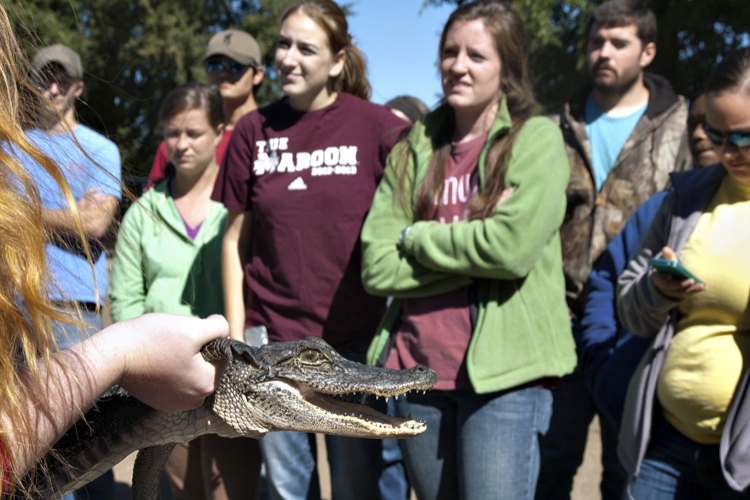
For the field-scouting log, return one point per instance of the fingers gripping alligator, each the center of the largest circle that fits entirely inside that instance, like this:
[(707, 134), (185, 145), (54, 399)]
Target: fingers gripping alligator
[(277, 387)]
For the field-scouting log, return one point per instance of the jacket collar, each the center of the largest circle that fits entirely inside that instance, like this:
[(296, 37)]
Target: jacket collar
[(435, 122), (160, 202), (699, 180), (426, 133), (661, 97)]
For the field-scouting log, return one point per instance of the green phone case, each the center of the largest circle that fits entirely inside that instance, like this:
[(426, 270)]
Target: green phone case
[(674, 268)]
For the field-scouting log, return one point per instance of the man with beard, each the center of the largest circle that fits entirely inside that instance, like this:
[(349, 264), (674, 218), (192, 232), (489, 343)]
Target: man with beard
[(624, 133)]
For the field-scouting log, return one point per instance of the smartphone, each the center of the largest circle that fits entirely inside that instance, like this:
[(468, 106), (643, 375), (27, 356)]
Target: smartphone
[(256, 336), (675, 269)]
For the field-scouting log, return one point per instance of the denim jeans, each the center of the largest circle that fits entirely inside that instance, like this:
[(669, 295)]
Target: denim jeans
[(476, 446), (562, 448), (66, 335), (676, 467), (366, 469)]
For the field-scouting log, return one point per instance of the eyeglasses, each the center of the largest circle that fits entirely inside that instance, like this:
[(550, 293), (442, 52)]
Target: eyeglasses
[(229, 65), (740, 139)]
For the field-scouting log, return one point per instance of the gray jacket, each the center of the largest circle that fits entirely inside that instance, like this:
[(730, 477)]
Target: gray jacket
[(648, 313)]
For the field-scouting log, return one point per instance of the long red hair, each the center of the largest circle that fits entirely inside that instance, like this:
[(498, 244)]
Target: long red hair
[(25, 308)]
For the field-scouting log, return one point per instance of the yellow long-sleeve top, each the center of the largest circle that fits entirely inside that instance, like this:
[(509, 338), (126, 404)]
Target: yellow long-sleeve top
[(711, 346)]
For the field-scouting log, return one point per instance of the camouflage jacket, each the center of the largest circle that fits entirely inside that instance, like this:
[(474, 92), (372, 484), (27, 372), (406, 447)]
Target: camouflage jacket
[(656, 146)]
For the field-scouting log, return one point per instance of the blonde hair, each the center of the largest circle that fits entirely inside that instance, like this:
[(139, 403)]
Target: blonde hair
[(25, 308)]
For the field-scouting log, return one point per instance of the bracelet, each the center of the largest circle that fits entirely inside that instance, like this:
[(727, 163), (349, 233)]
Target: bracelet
[(402, 236)]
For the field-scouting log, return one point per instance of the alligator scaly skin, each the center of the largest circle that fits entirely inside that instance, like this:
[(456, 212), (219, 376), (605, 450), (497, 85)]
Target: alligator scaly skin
[(277, 387)]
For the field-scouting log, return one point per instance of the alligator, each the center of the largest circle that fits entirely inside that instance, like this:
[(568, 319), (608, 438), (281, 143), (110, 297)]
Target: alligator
[(289, 386)]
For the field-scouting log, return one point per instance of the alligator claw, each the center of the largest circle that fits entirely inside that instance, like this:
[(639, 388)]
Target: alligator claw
[(229, 348)]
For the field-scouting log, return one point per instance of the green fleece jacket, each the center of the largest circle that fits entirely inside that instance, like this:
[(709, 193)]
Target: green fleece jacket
[(522, 329), (158, 268)]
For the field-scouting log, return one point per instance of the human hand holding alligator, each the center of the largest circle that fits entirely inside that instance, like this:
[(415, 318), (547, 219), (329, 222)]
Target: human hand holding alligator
[(175, 376), (282, 386)]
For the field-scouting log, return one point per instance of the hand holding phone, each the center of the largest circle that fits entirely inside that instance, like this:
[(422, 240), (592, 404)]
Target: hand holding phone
[(674, 268), (671, 277)]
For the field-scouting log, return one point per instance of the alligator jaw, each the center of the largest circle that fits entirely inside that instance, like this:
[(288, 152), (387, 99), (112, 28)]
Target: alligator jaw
[(290, 386), (317, 412)]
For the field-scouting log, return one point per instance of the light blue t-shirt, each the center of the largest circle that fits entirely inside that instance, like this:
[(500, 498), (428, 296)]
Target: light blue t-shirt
[(607, 136), (69, 267)]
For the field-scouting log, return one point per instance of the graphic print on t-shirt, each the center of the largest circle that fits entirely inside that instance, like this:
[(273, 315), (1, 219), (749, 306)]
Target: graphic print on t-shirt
[(457, 192), (297, 184), (303, 276), (435, 331), (333, 160)]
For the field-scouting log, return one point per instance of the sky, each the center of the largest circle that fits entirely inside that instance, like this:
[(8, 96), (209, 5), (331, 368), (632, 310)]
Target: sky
[(400, 41)]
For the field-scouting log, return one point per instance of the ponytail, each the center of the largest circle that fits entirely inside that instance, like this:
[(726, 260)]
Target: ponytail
[(353, 79)]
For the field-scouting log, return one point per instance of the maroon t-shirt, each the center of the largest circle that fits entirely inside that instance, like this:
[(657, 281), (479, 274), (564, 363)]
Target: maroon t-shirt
[(435, 331), (309, 179)]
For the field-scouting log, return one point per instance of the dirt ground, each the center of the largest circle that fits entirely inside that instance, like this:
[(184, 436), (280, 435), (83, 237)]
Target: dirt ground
[(585, 487)]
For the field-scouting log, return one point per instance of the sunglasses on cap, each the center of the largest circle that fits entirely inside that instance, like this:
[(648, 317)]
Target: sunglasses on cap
[(229, 65), (739, 139)]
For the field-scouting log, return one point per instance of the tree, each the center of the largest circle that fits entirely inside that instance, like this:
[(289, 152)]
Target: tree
[(135, 51), (693, 35)]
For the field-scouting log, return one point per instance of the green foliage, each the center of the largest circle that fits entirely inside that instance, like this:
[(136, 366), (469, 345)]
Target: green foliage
[(693, 34), (263, 24), (135, 51)]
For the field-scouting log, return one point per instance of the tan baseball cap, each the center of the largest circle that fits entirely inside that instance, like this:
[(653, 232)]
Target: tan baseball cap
[(62, 55), (236, 45)]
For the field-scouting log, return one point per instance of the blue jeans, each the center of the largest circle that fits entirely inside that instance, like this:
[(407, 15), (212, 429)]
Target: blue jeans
[(563, 447), (366, 469), (66, 335), (476, 446), (676, 467)]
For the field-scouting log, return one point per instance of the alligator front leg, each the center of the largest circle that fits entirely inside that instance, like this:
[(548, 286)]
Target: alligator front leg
[(147, 471)]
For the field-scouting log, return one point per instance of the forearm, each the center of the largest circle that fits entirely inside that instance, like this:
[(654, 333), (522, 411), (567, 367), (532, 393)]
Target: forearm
[(641, 308), (234, 300), (129, 354), (127, 285), (94, 219), (507, 244), (236, 242), (75, 379)]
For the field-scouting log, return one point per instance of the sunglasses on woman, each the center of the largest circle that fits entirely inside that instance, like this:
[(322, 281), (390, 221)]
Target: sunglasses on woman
[(229, 65), (739, 139)]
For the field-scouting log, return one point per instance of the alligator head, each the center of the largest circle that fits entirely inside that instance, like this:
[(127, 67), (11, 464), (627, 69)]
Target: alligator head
[(298, 386)]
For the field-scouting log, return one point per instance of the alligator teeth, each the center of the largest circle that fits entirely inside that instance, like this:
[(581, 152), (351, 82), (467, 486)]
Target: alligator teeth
[(387, 398)]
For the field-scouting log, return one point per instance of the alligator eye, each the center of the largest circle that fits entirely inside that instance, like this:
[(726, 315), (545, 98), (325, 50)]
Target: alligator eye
[(311, 356)]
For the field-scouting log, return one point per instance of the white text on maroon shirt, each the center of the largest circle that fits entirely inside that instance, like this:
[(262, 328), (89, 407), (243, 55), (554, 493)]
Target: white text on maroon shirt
[(341, 160)]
